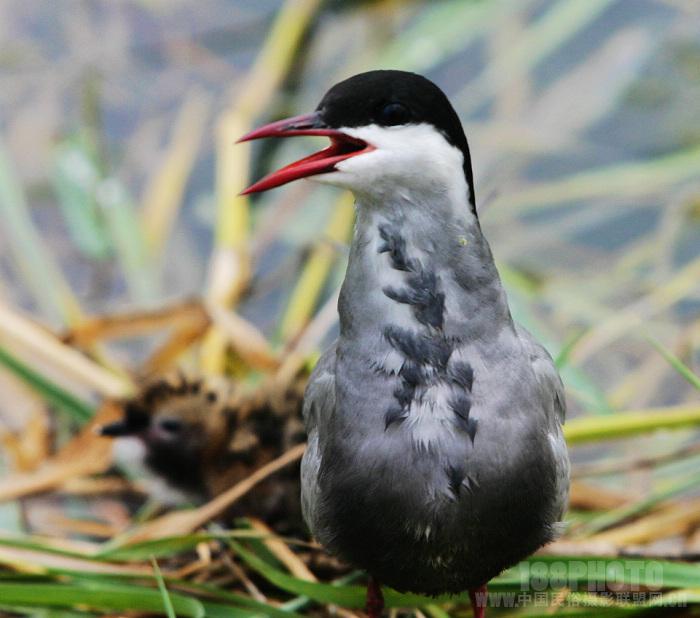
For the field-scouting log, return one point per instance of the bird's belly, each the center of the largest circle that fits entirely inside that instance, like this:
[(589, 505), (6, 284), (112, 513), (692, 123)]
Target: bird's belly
[(409, 555), (404, 525), (432, 501)]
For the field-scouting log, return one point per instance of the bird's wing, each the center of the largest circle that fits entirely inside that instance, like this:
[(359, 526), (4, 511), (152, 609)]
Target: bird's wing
[(546, 373), (319, 402), (319, 398), (552, 389)]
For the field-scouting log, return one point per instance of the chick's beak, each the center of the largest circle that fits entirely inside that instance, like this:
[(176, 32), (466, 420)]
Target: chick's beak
[(342, 147), (134, 421), (116, 429)]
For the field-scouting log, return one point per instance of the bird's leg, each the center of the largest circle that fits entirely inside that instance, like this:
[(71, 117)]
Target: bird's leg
[(375, 599), (478, 598)]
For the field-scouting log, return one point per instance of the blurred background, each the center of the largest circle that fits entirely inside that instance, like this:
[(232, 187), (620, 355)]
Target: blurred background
[(126, 252)]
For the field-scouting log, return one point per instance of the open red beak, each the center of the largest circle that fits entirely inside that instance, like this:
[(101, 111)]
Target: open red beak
[(342, 147)]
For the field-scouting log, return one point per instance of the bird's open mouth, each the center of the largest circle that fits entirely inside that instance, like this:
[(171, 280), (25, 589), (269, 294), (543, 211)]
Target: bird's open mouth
[(342, 147)]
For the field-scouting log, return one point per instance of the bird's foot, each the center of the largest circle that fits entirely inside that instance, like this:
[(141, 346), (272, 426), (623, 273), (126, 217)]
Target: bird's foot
[(375, 599), (478, 598)]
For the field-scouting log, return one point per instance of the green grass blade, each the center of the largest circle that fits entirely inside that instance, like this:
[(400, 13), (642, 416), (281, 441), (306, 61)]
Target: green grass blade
[(676, 363), (238, 604), (167, 601), (346, 596), (167, 546), (301, 602), (614, 516), (578, 572), (53, 394), (218, 610), (124, 226), (562, 359), (76, 175), (38, 544), (40, 273), (33, 612), (102, 598), (250, 605), (101, 216), (627, 179), (521, 295), (436, 611)]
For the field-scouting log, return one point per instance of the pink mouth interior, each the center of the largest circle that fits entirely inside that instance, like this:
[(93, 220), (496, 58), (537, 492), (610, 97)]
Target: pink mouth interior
[(342, 147)]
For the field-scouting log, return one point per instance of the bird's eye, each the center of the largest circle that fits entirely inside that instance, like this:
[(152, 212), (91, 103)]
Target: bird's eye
[(170, 425), (393, 114)]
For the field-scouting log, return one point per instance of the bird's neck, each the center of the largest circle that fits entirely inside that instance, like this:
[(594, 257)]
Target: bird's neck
[(421, 263)]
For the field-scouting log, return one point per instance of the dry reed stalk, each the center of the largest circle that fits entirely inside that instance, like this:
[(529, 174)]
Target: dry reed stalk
[(596, 498), (164, 192), (85, 454), (230, 267), (135, 323), (28, 339), (673, 519), (318, 265), (182, 522)]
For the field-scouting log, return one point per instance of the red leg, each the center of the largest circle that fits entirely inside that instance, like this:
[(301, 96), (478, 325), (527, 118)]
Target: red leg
[(478, 598), (375, 599)]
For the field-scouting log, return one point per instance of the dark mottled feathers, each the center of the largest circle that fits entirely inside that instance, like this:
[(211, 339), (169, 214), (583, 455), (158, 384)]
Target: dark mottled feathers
[(426, 354), (461, 406), (455, 474), (419, 348), (462, 373), (427, 363), (394, 415), (421, 290), (395, 246)]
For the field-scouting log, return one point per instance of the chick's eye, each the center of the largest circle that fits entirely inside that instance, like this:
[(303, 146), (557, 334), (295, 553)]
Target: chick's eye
[(394, 113), (170, 425)]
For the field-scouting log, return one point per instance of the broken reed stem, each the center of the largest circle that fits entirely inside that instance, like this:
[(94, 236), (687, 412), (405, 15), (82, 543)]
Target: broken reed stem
[(674, 519), (281, 551), (245, 339), (308, 343), (167, 355), (182, 522), (132, 324), (85, 454), (241, 575), (596, 498), (25, 336), (229, 269)]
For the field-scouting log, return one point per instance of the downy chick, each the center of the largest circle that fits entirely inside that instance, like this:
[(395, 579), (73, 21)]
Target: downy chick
[(191, 441)]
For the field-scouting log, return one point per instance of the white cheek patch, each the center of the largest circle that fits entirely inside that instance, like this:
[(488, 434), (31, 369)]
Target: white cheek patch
[(414, 157), (130, 453)]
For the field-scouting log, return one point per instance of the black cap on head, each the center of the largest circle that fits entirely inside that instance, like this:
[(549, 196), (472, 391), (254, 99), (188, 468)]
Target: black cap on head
[(389, 98)]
